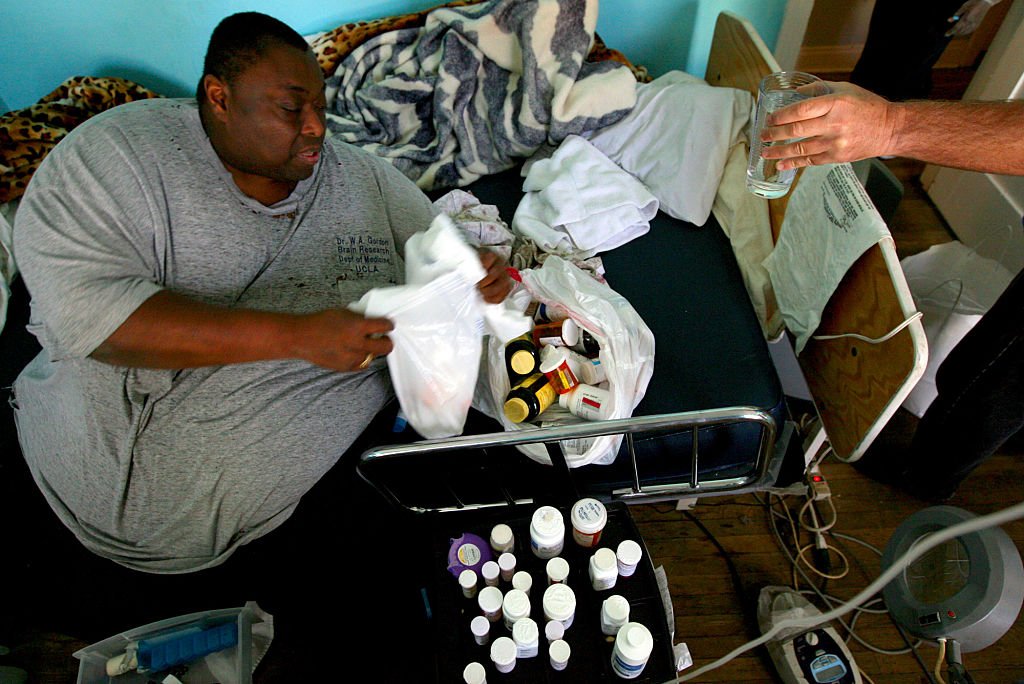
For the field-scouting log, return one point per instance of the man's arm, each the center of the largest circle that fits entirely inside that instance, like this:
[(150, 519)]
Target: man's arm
[(853, 123), (172, 331)]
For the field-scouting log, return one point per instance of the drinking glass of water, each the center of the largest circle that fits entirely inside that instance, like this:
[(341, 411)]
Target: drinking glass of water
[(775, 92)]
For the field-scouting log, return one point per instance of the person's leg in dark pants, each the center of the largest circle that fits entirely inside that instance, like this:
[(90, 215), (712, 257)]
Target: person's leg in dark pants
[(980, 402), (905, 39)]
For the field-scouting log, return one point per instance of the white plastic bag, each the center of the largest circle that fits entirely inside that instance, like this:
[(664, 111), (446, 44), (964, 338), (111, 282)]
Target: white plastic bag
[(627, 350), (438, 319), (953, 286)]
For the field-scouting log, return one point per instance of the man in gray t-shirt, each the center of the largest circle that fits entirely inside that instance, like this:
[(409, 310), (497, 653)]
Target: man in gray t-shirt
[(189, 265)]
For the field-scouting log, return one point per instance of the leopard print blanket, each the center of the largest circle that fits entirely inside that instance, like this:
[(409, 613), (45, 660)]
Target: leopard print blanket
[(27, 135)]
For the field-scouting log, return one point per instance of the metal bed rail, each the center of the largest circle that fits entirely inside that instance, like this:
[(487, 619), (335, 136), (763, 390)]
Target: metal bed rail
[(692, 420)]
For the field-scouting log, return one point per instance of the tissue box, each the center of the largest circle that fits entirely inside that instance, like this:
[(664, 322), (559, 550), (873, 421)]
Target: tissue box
[(233, 665)]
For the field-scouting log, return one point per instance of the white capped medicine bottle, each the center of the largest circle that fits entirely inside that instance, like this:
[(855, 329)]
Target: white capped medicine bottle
[(515, 607), (489, 599), (558, 654), (491, 573), (603, 570), (587, 402), (558, 570), (628, 556), (614, 614), (588, 517), (474, 674), (527, 638), (507, 566), (502, 540), (468, 582), (633, 646), (547, 532), (503, 654), (481, 628), (523, 581), (554, 630), (559, 603)]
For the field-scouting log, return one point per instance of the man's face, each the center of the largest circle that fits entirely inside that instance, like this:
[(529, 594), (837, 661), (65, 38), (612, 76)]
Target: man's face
[(273, 117)]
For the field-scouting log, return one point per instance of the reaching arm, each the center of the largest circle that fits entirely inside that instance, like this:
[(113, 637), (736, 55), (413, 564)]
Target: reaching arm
[(853, 123), (172, 331)]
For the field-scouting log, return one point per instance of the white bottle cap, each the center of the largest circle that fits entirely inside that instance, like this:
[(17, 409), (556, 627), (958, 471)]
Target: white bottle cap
[(474, 674), (589, 517), (604, 559), (467, 580), (490, 599), (628, 555), (490, 572), (506, 562), (551, 357), (570, 332), (547, 522), (559, 602), (522, 581), (501, 538), (558, 570), (559, 652), (554, 630), (525, 631), (503, 653), (634, 643), (516, 605), (480, 626), (616, 607)]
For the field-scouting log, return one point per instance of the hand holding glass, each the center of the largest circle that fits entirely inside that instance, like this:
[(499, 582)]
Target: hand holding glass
[(776, 91)]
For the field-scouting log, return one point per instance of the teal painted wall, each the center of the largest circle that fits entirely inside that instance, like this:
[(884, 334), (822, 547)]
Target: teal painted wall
[(161, 44)]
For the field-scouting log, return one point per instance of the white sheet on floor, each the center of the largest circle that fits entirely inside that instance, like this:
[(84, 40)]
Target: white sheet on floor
[(8, 269), (677, 140), (579, 203)]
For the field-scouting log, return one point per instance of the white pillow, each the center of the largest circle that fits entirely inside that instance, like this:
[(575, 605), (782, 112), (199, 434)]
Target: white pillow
[(677, 140)]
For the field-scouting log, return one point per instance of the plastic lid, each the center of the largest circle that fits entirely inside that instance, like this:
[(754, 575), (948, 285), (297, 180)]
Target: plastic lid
[(547, 522), (522, 581), (559, 602), (525, 631), (467, 579), (503, 651), (629, 552), (501, 535), (554, 630), (559, 651), (604, 559), (516, 603), (616, 607), (563, 399), (489, 599), (516, 410), (634, 641), (506, 561), (490, 570), (570, 332), (558, 569), (522, 362), (480, 625), (589, 516), (474, 674), (551, 357)]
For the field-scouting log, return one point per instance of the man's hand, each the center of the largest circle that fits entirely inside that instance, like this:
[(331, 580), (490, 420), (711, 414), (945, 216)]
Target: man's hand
[(496, 285), (342, 340), (849, 124)]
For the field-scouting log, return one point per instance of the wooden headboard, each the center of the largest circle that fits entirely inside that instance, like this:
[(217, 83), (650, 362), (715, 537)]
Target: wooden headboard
[(856, 386)]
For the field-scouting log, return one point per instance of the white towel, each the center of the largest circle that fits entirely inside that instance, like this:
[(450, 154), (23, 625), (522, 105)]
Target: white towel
[(579, 202)]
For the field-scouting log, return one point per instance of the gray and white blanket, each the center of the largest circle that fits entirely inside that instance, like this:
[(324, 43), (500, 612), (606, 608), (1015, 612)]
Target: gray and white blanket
[(476, 88)]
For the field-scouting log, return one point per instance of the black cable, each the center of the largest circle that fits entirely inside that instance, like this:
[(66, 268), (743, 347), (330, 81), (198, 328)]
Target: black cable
[(737, 581), (927, 671)]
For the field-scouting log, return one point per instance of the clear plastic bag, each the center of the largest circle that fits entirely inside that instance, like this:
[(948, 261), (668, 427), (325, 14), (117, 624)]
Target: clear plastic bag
[(627, 351)]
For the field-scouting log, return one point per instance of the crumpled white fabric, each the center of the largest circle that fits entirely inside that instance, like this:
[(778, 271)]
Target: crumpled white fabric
[(677, 140), (439, 318), (830, 221), (579, 203), (8, 269)]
